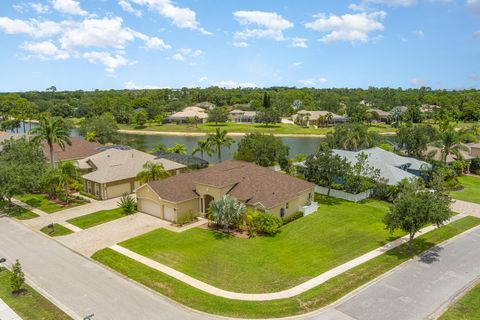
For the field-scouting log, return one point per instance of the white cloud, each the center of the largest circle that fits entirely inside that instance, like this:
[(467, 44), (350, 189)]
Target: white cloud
[(474, 5), (323, 80), (266, 25), (32, 27), (312, 82), (111, 62), (240, 44), (130, 85), (297, 64), (178, 57), (230, 84), (299, 43), (417, 82), (419, 34), (349, 27), (185, 54), (127, 6), (39, 8), (69, 7), (203, 79), (45, 50), (153, 42), (184, 18), (476, 34), (394, 3)]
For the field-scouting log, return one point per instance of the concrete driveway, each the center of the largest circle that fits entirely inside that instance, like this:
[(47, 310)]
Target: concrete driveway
[(417, 289), (78, 284), (465, 207), (89, 241)]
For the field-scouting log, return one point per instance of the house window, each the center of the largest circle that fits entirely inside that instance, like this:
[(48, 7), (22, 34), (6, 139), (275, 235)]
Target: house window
[(310, 196), (286, 206), (282, 213)]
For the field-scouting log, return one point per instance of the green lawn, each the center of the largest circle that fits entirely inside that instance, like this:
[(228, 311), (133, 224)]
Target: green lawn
[(59, 231), (471, 192), (280, 128), (96, 218), (16, 212), (467, 308), (339, 232), (41, 202), (31, 306), (311, 300)]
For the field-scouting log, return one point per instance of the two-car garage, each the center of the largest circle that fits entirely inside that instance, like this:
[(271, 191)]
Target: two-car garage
[(155, 209)]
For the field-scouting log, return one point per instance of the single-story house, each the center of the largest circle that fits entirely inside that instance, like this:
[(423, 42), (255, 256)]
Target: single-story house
[(393, 168), (113, 172), (80, 149), (241, 116), (189, 113), (383, 115), (310, 117), (258, 187), (474, 150), (435, 153)]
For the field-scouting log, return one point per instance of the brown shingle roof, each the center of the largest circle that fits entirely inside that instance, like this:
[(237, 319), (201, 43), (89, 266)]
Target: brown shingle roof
[(79, 149), (250, 183)]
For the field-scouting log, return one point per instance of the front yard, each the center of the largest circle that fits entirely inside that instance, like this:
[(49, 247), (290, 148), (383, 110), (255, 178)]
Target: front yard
[(31, 306), (471, 191), (16, 212), (97, 218), (339, 232), (58, 231), (468, 307), (41, 202)]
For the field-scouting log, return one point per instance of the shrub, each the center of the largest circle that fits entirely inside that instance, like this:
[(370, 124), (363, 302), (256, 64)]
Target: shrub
[(186, 218), (267, 224), (475, 166), (17, 278), (128, 204), (297, 215), (459, 166), (452, 183)]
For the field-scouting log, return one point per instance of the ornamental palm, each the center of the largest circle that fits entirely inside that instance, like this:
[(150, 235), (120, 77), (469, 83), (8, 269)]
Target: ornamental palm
[(178, 148), (152, 171), (52, 131), (203, 146), (219, 139), (227, 211), (450, 142)]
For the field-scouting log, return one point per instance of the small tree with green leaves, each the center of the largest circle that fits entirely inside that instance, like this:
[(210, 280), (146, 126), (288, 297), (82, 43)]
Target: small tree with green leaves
[(217, 115), (17, 279), (127, 203)]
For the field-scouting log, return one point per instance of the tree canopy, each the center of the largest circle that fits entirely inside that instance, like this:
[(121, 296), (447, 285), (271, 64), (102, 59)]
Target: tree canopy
[(262, 149)]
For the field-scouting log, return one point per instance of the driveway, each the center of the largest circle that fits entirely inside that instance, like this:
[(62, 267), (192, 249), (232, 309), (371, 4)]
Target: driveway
[(89, 241), (417, 289), (64, 215), (465, 207), (79, 284)]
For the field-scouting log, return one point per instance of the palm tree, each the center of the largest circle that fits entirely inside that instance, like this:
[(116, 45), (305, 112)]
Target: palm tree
[(203, 146), (450, 143), (52, 131), (219, 139), (328, 118), (152, 171), (178, 148)]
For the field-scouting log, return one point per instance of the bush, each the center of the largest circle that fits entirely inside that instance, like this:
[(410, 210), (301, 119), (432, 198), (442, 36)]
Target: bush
[(267, 224), (128, 204), (475, 166), (17, 278), (297, 215), (459, 166), (186, 218), (452, 183)]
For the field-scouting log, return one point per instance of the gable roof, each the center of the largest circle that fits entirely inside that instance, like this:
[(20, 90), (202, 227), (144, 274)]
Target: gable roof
[(249, 183), (189, 112), (79, 149), (380, 112), (115, 165), (315, 114)]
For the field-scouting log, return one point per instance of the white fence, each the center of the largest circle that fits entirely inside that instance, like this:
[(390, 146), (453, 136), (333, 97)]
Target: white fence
[(307, 210), (344, 195)]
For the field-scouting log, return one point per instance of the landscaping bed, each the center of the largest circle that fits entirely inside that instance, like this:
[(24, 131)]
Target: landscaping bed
[(470, 191), (309, 301), (59, 231), (338, 232), (468, 307), (41, 202), (31, 305), (97, 218)]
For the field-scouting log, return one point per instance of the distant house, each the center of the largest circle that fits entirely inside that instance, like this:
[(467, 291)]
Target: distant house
[(384, 115), (393, 168), (435, 153), (474, 150), (311, 117), (258, 187), (240, 116), (428, 108), (113, 172), (4, 136), (189, 114), (80, 149)]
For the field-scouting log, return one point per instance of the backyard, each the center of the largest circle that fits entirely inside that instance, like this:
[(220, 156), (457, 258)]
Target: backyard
[(471, 191), (337, 233), (41, 202), (97, 218)]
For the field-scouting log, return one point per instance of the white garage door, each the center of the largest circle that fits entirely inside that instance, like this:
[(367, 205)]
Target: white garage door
[(168, 213), (118, 190), (149, 207)]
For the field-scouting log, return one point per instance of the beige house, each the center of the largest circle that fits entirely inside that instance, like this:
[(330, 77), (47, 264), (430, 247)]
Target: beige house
[(113, 172), (188, 113), (241, 116), (474, 150), (311, 117), (259, 188)]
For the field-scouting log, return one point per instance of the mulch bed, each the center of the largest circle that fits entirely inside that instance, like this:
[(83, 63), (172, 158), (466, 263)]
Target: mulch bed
[(19, 293), (459, 188)]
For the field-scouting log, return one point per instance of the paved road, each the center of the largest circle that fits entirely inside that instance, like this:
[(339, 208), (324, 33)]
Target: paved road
[(80, 284), (418, 289)]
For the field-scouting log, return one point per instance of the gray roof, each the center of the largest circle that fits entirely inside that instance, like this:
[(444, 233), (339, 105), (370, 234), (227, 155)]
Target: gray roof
[(389, 163)]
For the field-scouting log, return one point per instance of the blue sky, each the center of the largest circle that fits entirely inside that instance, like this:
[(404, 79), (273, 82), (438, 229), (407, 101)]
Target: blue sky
[(92, 44)]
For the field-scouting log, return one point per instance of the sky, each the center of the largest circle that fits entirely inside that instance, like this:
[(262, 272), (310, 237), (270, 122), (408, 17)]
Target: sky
[(137, 44)]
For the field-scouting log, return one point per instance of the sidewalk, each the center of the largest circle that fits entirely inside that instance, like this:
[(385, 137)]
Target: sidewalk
[(301, 288), (6, 313)]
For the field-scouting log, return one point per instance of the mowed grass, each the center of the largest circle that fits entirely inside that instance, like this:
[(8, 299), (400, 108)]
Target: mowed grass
[(467, 308), (58, 231), (41, 202), (311, 300), (471, 191), (97, 218), (16, 212), (31, 306), (337, 233)]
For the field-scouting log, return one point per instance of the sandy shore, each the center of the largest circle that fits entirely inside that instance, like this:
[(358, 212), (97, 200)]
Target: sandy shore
[(203, 134)]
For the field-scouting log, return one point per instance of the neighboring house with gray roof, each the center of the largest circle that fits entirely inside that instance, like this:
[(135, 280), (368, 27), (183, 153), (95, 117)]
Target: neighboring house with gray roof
[(393, 168), (113, 172)]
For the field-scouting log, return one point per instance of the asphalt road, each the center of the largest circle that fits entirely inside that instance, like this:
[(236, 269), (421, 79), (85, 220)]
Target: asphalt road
[(81, 285), (419, 288)]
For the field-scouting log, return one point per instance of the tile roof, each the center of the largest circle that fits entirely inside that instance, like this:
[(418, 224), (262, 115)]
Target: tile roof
[(315, 114), (79, 149), (249, 183)]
